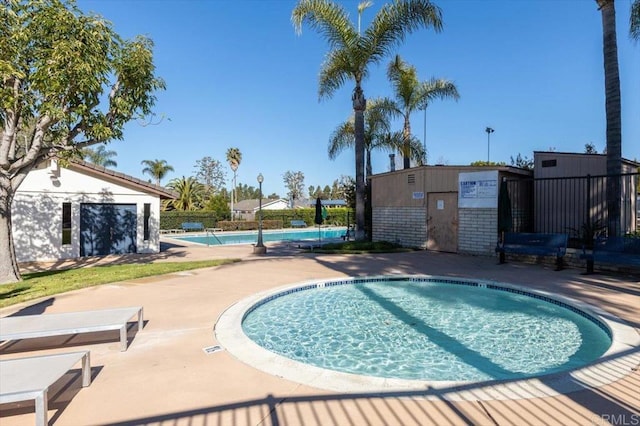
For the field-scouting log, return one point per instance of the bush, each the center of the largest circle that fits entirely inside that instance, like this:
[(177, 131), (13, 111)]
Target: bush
[(335, 216), (174, 219)]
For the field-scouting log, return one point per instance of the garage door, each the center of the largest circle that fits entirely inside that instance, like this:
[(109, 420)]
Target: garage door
[(107, 229)]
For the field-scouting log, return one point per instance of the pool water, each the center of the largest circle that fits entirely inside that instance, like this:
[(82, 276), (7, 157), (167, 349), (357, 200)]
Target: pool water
[(224, 238), (426, 330)]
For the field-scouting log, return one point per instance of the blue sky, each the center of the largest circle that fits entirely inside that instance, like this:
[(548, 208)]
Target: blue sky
[(237, 75)]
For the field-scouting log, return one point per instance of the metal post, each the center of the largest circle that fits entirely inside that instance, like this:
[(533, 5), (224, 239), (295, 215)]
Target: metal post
[(489, 130), (259, 247)]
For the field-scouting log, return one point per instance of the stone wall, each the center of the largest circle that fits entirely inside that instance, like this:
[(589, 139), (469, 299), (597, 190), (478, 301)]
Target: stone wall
[(477, 231), (402, 225)]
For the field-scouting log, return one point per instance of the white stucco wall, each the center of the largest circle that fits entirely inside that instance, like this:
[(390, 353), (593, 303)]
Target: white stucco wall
[(37, 212)]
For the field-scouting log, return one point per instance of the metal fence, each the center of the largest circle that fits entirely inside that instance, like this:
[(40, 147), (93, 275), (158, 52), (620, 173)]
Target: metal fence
[(573, 205)]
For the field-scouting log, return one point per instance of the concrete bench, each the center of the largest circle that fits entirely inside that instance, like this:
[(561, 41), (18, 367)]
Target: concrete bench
[(45, 325), (192, 226), (24, 379), (534, 244), (623, 251), (298, 223)]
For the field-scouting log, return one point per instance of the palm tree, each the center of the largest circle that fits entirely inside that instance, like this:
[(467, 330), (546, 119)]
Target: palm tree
[(190, 193), (234, 158), (613, 114), (352, 52), (411, 95), (100, 156), (634, 20), (376, 135), (157, 169)]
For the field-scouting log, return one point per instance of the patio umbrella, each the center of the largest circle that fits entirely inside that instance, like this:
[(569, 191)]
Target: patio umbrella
[(504, 212), (318, 219)]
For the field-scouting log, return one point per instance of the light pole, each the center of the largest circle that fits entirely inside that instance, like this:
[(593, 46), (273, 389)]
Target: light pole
[(259, 248), (489, 130)]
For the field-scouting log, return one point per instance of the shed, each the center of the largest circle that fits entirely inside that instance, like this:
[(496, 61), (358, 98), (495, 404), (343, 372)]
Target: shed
[(80, 209), (419, 207)]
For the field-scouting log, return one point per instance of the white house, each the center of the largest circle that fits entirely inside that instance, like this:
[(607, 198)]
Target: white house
[(248, 209), (84, 210)]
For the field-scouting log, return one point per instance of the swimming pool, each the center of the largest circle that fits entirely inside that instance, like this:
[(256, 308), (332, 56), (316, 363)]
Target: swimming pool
[(248, 237), (417, 332)]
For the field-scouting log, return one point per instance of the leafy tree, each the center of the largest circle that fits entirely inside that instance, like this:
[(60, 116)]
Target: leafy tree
[(70, 77), (522, 162), (613, 111), (218, 204), (346, 190), (412, 95), (352, 52), (590, 148), (234, 158), (190, 194), (634, 21), (482, 163), (209, 172), (157, 169), (294, 182), (246, 192), (100, 156)]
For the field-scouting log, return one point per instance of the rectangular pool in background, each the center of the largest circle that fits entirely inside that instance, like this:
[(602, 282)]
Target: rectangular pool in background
[(249, 237)]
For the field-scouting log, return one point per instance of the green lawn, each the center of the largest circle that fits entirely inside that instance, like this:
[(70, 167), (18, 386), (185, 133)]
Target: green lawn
[(361, 247), (41, 284)]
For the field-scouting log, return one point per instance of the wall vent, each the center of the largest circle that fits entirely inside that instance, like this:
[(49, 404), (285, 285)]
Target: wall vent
[(411, 179)]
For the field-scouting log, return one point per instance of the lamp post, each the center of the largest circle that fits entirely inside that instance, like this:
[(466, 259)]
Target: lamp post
[(259, 248), (489, 130)]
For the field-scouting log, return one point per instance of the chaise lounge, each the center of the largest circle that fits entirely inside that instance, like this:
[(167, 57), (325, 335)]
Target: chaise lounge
[(45, 325), (24, 379)]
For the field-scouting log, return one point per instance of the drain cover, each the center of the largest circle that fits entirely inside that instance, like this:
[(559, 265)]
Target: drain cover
[(212, 349)]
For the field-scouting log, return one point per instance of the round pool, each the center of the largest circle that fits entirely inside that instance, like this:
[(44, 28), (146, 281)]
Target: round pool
[(413, 330)]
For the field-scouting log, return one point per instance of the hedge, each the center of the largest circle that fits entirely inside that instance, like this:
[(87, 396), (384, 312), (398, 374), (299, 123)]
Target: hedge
[(173, 219), (271, 219), (335, 216)]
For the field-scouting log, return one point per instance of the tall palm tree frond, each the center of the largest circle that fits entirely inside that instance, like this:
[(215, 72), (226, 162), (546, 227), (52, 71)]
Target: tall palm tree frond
[(634, 21), (395, 20), (342, 137), (157, 169), (436, 88), (330, 19), (335, 71), (100, 156)]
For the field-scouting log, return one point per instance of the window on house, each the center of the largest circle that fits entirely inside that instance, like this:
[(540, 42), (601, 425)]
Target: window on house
[(66, 223), (549, 163), (147, 216)]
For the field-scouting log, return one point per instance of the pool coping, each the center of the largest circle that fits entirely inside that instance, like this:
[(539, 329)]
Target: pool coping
[(618, 362)]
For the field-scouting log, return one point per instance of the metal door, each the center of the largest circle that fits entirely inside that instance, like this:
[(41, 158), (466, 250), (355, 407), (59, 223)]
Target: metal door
[(107, 229), (442, 221)]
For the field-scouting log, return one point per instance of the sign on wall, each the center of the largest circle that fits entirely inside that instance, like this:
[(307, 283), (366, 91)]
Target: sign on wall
[(478, 189)]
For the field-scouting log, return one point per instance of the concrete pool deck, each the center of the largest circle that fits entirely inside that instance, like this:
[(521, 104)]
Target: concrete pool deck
[(165, 377)]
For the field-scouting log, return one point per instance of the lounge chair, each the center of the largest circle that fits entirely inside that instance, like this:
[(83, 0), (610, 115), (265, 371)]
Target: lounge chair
[(45, 325), (24, 379)]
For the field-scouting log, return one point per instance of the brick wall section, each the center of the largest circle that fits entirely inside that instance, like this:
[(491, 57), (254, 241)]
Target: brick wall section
[(477, 231), (402, 225)]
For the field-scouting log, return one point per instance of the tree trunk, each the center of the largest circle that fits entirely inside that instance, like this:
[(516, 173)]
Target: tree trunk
[(369, 170), (359, 105), (406, 144), (613, 114), (9, 271)]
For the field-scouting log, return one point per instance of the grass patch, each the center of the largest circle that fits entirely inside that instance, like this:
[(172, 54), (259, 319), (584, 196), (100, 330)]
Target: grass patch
[(361, 247), (41, 284)]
